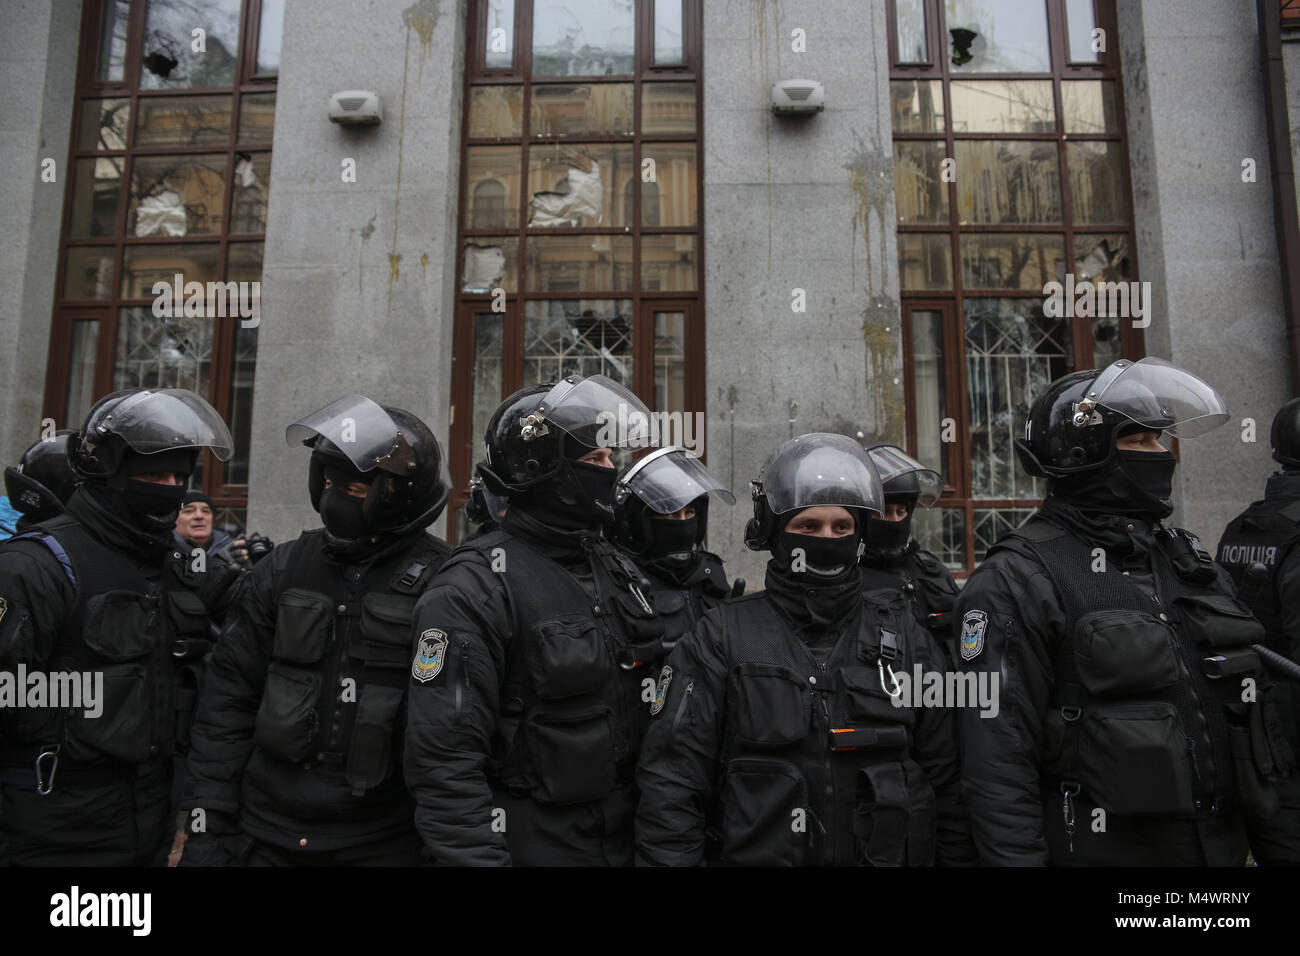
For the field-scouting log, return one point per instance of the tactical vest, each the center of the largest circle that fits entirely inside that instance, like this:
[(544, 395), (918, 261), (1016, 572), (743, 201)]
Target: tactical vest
[(928, 586), (816, 765), (146, 637), (1264, 533), (681, 606), (572, 711), (1137, 724), (340, 665)]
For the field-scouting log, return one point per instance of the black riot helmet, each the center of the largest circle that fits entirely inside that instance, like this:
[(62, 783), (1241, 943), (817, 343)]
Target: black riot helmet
[(815, 469), (484, 509), (163, 421), (663, 482), (365, 441), (906, 482), (41, 484), (1072, 426), (1284, 438), (537, 429)]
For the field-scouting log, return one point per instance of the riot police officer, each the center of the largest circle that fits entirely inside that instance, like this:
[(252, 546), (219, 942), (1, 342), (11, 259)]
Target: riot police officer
[(893, 558), (40, 485), (534, 647), (100, 598), (296, 753), (661, 518), (781, 736), (1133, 727), (1267, 533)]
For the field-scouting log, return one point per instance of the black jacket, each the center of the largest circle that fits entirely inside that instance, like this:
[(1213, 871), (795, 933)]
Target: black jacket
[(299, 724), (738, 766), (927, 583), (1012, 622)]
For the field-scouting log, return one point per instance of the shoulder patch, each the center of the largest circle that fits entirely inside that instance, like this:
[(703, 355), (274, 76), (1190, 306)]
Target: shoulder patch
[(972, 634), (430, 654), (661, 691)]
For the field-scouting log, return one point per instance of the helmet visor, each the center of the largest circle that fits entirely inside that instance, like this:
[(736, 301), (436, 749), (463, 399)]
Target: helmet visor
[(892, 462), (820, 469), (361, 430), (157, 420), (668, 480), (598, 412), (1160, 397)]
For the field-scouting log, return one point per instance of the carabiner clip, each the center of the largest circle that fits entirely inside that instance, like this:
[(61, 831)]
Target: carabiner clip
[(881, 666), (43, 786)]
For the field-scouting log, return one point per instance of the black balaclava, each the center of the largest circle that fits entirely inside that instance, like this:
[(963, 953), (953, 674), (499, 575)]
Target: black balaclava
[(672, 541), (342, 513), (149, 506), (1135, 483), (578, 496), (811, 596), (887, 541)]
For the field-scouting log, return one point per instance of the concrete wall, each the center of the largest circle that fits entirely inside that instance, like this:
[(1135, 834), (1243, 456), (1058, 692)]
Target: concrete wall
[(357, 287), (38, 55), (1193, 86), (792, 203)]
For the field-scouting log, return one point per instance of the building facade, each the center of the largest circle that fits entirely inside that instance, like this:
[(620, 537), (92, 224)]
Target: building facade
[(604, 186)]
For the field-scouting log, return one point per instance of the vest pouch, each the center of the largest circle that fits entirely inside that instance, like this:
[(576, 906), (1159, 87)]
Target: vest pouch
[(1134, 759), (1124, 653), (759, 800), (188, 615), (567, 657), (1216, 620), (370, 751), (386, 630), (287, 720), (303, 626), (880, 814), (124, 729), (865, 698), (771, 706), (121, 628), (572, 755)]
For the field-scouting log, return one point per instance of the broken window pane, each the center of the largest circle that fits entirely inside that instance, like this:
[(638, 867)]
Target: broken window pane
[(1101, 258), (170, 61), (492, 191), (103, 124), (1096, 182), (1008, 182), (668, 264), (1012, 352), (998, 36), (249, 194), (177, 195), (157, 352), (496, 112), (579, 263), (917, 106), (1088, 106), (1010, 261), (499, 43), (668, 108), (582, 336), (491, 264), (912, 45), (1002, 106), (592, 109), (182, 121), (668, 32), (583, 37), (576, 184), (920, 194), (925, 261)]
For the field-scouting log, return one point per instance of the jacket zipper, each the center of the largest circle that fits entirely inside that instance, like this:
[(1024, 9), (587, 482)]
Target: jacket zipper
[(681, 708), (462, 679)]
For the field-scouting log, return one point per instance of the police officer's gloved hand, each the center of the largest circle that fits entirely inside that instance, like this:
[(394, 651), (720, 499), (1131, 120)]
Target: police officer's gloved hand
[(214, 840)]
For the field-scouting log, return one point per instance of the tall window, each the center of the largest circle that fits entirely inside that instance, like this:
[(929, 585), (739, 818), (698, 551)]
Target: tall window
[(580, 215), (1011, 172), (169, 168)]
